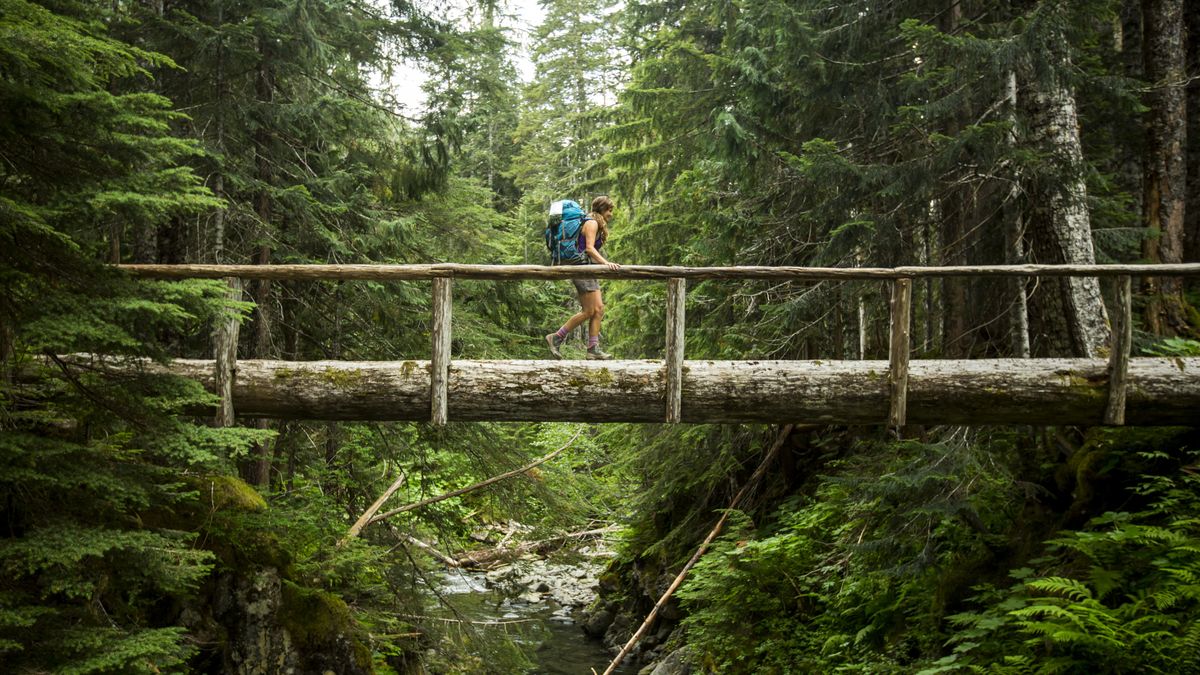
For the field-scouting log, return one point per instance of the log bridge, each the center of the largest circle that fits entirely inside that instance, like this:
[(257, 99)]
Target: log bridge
[(1114, 391)]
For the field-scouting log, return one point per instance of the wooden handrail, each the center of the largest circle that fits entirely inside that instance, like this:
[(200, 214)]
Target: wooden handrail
[(383, 272)]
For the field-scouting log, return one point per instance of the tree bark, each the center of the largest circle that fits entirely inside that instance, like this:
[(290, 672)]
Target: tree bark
[(676, 301), (1164, 165), (1191, 216), (991, 391), (1072, 315)]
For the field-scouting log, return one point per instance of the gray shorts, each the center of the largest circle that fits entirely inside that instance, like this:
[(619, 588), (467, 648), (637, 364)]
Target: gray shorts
[(586, 285)]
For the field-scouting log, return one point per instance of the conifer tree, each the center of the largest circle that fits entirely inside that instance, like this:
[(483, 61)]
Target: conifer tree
[(91, 544), (577, 72)]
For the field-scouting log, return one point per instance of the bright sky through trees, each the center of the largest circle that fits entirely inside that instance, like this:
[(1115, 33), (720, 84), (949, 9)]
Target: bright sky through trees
[(522, 16)]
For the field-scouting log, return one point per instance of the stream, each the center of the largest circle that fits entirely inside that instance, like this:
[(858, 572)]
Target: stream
[(537, 604)]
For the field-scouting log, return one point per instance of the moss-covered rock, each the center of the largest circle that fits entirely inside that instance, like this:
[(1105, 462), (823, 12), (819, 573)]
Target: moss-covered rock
[(229, 492), (323, 630)]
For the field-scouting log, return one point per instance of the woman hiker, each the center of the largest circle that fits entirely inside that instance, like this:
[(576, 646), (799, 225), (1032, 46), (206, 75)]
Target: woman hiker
[(593, 235)]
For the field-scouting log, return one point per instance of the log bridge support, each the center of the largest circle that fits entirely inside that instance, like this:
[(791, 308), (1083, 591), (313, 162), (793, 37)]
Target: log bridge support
[(1123, 390)]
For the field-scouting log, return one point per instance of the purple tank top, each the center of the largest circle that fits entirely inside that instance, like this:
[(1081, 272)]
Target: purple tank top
[(581, 243)]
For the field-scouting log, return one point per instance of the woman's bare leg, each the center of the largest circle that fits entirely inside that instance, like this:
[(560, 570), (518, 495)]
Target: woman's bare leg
[(597, 314), (589, 302)]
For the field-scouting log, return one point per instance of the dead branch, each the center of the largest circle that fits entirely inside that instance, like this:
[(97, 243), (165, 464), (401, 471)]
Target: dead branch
[(429, 548), (366, 516), (476, 486)]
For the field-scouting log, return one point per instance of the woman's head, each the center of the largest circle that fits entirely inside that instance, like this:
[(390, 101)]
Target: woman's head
[(603, 206), (602, 209)]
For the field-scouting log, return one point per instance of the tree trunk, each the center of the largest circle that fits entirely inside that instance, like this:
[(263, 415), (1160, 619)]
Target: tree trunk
[(954, 208), (954, 291), (980, 391), (1071, 312), (145, 243), (1164, 165), (218, 186), (1191, 216), (258, 472), (1014, 239)]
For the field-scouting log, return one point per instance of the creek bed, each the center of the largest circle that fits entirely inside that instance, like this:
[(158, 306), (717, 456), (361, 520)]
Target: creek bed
[(543, 623)]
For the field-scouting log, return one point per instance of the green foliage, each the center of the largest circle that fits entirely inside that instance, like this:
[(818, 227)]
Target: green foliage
[(1121, 592), (844, 577), (1174, 346), (866, 569)]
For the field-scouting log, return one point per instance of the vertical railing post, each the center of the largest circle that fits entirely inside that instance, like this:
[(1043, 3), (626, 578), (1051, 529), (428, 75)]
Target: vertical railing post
[(676, 297), (898, 352), (225, 341), (1118, 358), (439, 373)]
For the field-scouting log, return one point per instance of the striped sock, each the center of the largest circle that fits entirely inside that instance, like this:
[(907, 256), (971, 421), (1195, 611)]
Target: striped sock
[(593, 341), (561, 333)]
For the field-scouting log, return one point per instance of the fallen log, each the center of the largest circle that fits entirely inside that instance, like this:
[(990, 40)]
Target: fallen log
[(500, 554), (1159, 391), (488, 556)]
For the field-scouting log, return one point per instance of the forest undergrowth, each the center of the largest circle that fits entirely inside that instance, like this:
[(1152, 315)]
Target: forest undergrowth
[(988, 550)]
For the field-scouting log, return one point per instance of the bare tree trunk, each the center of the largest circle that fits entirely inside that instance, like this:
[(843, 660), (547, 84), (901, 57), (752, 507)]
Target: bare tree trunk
[(1191, 216), (862, 326), (1014, 236), (218, 187), (954, 291), (7, 336), (1164, 166), (114, 243), (930, 289), (1072, 315)]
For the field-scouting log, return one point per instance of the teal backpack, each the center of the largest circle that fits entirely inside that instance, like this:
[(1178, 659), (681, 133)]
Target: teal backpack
[(564, 232)]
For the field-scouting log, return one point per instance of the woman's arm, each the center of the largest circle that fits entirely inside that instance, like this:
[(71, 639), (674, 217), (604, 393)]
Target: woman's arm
[(590, 227)]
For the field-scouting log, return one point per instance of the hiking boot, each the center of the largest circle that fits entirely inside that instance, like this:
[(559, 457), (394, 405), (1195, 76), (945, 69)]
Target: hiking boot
[(596, 354), (555, 342)]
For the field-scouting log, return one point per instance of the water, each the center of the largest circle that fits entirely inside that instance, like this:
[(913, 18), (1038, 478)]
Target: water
[(549, 635)]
